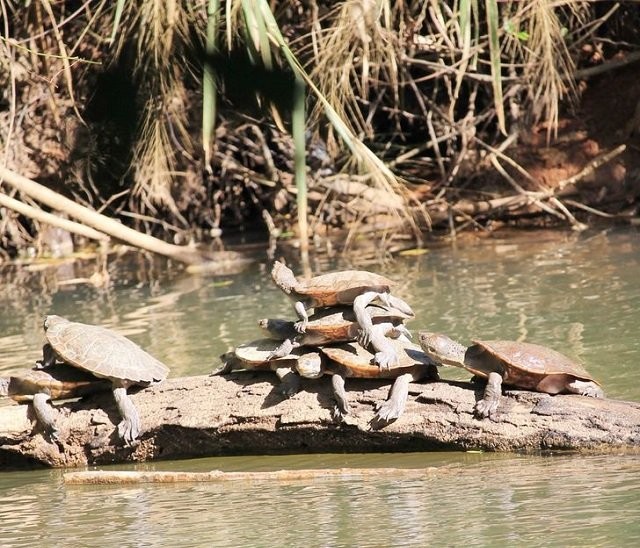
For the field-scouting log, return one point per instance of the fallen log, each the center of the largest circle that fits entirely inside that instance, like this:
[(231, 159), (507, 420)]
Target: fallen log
[(244, 413), (120, 477)]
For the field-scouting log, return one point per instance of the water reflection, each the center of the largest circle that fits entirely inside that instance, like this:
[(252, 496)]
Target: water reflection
[(577, 293), (469, 500)]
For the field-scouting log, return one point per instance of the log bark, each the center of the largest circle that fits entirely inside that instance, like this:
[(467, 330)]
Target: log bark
[(244, 413)]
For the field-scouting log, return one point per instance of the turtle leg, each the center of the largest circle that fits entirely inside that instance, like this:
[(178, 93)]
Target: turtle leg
[(585, 388), (285, 348), (342, 408), (362, 316), (385, 353), (301, 311), (44, 414), (487, 406), (391, 301), (289, 380), (129, 426), (391, 409), (48, 357)]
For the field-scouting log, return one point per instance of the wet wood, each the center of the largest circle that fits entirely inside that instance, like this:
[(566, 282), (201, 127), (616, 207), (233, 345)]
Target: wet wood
[(105, 477), (244, 413)]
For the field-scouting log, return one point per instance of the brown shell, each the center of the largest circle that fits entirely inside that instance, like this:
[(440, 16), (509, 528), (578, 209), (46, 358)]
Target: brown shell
[(60, 381), (357, 361), (530, 359), (102, 352), (339, 323), (341, 287)]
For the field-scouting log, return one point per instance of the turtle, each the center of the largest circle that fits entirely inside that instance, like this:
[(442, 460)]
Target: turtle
[(255, 356), (350, 287), (57, 382), (519, 364), (335, 324), (352, 360), (106, 355)]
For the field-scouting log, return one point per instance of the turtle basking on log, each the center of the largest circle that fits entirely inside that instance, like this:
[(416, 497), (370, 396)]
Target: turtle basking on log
[(106, 355), (518, 364), (348, 287), (57, 382)]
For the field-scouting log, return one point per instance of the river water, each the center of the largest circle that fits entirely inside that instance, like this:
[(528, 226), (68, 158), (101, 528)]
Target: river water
[(578, 293)]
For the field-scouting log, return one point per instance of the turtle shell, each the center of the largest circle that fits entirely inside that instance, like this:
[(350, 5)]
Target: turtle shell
[(60, 381), (335, 324), (255, 353), (103, 352), (353, 360), (340, 287), (523, 363)]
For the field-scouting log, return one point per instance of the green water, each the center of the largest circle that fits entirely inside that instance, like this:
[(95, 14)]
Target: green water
[(577, 293)]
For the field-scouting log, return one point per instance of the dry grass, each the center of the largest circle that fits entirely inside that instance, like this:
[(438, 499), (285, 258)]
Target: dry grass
[(400, 92)]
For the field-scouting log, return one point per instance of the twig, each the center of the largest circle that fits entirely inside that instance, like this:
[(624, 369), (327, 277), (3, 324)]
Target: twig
[(590, 168), (607, 66)]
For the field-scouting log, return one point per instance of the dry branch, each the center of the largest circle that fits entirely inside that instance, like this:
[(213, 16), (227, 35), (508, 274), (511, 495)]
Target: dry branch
[(98, 221), (244, 413), (53, 220)]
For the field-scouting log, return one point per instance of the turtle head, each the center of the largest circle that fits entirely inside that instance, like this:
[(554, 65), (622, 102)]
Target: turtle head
[(52, 320), (283, 277), (280, 329), (441, 348)]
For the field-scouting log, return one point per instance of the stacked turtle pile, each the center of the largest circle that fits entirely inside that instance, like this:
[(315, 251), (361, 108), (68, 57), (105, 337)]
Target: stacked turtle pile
[(357, 330)]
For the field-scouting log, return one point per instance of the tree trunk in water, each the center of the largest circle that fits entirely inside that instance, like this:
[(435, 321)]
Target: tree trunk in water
[(244, 413)]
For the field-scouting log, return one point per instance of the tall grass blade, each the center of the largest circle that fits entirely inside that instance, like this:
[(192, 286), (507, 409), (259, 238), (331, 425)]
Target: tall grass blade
[(209, 91), (493, 25), (116, 19), (298, 131)]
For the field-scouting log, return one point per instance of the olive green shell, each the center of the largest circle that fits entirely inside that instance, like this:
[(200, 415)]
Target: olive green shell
[(523, 363), (102, 352), (59, 381)]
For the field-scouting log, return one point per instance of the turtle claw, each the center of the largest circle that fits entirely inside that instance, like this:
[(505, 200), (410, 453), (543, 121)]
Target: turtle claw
[(54, 434), (129, 430), (301, 326), (387, 412), (386, 359), (486, 408), (340, 415), (364, 338), (285, 348)]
